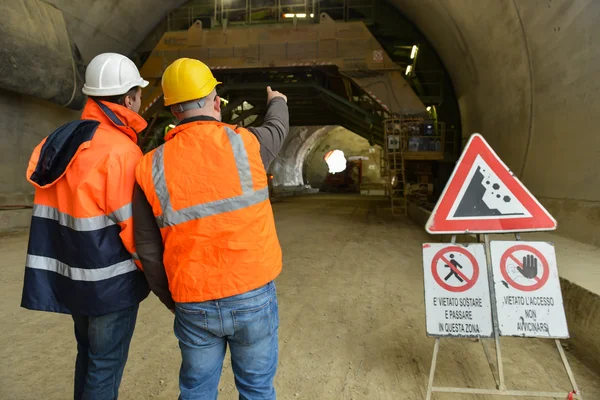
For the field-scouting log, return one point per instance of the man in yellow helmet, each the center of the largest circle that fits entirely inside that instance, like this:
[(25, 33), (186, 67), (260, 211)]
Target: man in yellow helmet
[(206, 236)]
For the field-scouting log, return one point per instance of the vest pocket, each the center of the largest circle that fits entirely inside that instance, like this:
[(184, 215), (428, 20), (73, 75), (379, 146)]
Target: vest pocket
[(255, 324), (191, 326)]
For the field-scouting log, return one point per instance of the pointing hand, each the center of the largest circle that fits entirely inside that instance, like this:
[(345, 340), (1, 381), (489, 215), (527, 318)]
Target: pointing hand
[(272, 94), (530, 266)]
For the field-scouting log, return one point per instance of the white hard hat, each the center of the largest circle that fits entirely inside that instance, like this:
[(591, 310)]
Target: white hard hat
[(111, 74)]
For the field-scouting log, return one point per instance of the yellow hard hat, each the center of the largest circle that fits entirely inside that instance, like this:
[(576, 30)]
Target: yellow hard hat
[(187, 79)]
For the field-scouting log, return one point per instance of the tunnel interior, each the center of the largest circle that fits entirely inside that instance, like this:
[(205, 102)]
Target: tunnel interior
[(519, 72), (510, 71), (337, 88)]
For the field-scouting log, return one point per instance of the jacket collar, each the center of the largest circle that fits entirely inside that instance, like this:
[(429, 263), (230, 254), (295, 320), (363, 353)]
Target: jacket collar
[(122, 118), (199, 120)]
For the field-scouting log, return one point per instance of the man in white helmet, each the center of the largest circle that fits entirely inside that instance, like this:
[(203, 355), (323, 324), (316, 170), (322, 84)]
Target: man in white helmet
[(81, 258)]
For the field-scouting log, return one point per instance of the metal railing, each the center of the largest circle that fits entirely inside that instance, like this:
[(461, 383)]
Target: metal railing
[(267, 11)]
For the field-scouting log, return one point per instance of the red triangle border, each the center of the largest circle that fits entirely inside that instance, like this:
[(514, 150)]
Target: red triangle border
[(438, 223)]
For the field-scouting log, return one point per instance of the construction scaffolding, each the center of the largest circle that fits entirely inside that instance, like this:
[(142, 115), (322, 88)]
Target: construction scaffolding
[(396, 143), (411, 138)]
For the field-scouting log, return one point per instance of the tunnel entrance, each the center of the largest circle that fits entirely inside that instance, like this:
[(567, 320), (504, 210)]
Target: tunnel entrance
[(344, 162)]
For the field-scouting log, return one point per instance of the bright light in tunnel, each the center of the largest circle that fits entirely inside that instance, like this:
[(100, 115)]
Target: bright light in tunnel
[(428, 108), (336, 161), (408, 69), (414, 51), (301, 15)]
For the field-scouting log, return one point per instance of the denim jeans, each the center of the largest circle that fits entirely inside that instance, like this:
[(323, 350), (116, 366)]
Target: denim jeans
[(102, 348), (249, 323)]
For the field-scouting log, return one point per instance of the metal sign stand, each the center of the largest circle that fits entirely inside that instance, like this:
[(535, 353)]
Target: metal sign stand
[(497, 369)]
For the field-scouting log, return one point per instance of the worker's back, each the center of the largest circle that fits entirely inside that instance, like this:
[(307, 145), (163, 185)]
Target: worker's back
[(77, 261), (208, 189)]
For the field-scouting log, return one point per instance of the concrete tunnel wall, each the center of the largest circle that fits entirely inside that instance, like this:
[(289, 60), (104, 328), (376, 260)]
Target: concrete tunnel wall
[(95, 27), (524, 72)]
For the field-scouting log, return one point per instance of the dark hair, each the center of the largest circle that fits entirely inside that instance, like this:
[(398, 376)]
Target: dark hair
[(118, 99)]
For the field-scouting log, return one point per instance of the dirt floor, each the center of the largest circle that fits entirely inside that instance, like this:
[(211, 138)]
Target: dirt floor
[(352, 322)]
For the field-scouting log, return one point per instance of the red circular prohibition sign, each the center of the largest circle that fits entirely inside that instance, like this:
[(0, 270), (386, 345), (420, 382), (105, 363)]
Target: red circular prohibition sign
[(539, 281), (440, 256)]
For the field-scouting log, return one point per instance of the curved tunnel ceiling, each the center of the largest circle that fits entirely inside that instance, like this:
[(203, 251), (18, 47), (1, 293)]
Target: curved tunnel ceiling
[(524, 71)]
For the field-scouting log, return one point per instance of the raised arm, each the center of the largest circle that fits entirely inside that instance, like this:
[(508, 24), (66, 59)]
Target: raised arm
[(275, 128)]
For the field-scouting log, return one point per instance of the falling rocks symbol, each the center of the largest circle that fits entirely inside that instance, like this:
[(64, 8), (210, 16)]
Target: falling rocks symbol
[(473, 204)]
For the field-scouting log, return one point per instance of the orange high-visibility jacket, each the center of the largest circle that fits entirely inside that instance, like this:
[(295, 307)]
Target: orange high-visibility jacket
[(208, 190), (81, 249)]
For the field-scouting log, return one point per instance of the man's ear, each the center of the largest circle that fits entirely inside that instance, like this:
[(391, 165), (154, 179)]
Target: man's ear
[(128, 101), (217, 104)]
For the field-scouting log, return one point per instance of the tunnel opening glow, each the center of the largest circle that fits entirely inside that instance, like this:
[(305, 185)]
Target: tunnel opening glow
[(336, 161)]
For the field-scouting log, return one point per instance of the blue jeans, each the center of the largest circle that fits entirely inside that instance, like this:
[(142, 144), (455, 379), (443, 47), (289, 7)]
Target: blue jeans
[(248, 323), (102, 348)]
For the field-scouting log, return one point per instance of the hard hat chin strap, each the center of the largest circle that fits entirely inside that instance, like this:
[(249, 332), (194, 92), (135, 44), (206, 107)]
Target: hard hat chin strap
[(190, 105)]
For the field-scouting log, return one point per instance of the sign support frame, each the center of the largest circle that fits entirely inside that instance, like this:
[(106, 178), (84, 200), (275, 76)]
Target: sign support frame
[(498, 369)]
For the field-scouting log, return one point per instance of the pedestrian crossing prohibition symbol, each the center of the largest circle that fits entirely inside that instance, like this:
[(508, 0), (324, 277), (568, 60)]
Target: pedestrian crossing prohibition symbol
[(455, 269)]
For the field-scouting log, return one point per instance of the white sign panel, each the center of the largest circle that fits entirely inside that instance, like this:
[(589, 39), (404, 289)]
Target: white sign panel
[(528, 296), (457, 295)]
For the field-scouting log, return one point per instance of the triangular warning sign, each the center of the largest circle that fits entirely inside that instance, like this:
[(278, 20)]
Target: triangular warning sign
[(483, 196)]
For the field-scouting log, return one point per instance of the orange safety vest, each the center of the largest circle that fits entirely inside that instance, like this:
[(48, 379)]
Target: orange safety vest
[(208, 190)]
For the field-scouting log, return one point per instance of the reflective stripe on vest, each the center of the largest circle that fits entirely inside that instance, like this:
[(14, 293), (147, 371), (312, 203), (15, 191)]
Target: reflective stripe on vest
[(80, 274), (83, 224), (249, 196), (90, 234)]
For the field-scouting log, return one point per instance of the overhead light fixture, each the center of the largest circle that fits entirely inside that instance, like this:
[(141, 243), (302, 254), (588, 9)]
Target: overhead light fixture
[(413, 52), (312, 15), (301, 15), (428, 108), (408, 69)]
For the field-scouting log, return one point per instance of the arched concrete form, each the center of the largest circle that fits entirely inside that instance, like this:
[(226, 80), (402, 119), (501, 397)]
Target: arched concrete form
[(117, 26), (287, 167), (315, 168)]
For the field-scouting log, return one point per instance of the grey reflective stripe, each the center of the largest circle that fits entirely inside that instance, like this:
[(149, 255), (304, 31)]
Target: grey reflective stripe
[(83, 224), (249, 196), (80, 274), (122, 214), (212, 208), (241, 160), (158, 177), (78, 224)]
